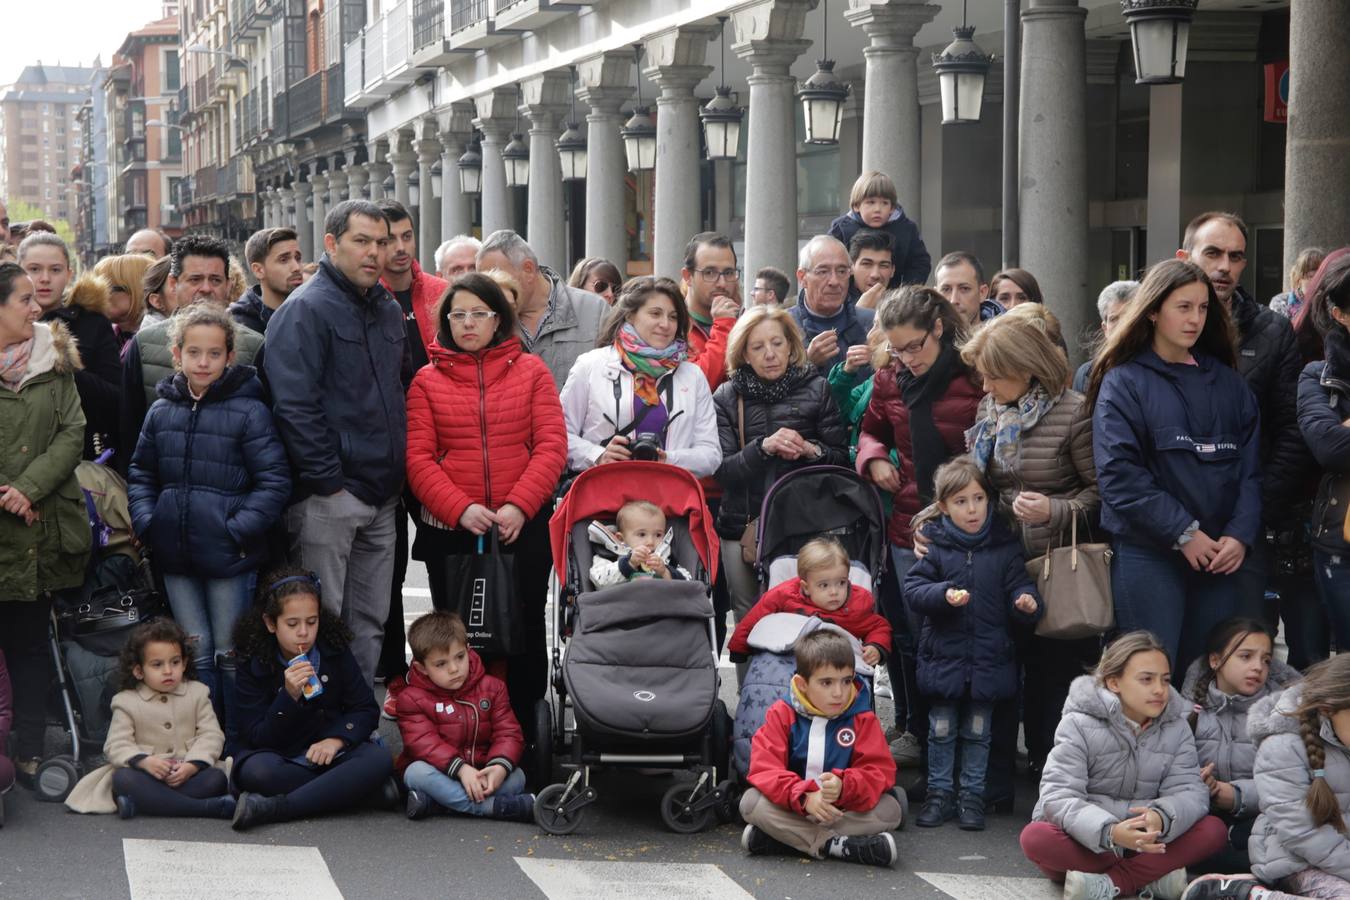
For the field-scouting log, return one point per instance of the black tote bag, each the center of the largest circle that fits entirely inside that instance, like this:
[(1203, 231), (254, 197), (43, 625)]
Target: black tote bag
[(481, 587)]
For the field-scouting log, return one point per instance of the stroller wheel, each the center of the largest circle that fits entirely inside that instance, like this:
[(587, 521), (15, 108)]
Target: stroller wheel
[(728, 809), (55, 779), (557, 815), (680, 812), (543, 742)]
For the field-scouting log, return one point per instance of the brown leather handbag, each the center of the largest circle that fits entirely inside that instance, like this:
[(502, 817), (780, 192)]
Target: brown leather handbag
[(1075, 586)]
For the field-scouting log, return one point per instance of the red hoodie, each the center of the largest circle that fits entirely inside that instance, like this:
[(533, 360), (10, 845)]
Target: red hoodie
[(448, 729), (858, 615), (708, 349), (427, 291)]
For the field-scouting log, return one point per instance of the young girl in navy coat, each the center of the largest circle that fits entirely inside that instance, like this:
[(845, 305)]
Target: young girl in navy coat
[(970, 587), (208, 479), (306, 714)]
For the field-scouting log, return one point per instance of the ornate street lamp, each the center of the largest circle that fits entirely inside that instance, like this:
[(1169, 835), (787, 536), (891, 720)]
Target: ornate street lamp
[(1160, 31), (823, 95), (437, 179), (572, 143), (414, 190), (639, 132), (516, 154), (961, 69), (721, 116), (470, 166)]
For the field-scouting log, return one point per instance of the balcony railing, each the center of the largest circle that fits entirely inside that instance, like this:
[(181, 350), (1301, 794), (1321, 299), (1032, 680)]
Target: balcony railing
[(398, 37), (333, 107), (264, 102), (227, 178), (205, 182), (352, 67), (374, 53), (199, 92), (184, 98), (307, 103), (281, 113), (464, 13), (428, 22)]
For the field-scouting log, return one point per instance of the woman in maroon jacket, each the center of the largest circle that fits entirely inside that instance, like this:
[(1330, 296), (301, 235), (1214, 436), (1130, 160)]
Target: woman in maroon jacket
[(924, 399), (486, 444)]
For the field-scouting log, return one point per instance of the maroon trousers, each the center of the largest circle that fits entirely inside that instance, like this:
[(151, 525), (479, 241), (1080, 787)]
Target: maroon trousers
[(1055, 853)]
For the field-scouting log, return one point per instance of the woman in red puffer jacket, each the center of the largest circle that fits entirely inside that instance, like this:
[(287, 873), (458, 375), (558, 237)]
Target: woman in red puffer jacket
[(486, 445)]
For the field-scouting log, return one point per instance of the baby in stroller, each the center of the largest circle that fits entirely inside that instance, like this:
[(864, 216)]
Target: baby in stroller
[(641, 547)]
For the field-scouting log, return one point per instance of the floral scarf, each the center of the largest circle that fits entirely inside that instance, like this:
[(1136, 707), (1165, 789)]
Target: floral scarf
[(647, 363), (998, 430), (14, 363)]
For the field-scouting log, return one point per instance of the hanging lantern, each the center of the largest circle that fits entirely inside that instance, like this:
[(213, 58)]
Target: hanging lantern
[(823, 97), (414, 190), (1159, 31), (516, 158), (961, 69), (721, 117), (572, 153), (639, 140), (470, 166), (437, 181)]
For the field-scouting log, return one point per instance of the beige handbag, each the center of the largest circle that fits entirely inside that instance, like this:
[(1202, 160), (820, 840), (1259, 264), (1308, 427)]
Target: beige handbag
[(1075, 587)]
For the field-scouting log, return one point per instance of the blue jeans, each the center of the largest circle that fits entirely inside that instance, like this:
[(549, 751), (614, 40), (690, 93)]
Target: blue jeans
[(207, 609), (1332, 572), (974, 727), (1156, 590), (448, 792)]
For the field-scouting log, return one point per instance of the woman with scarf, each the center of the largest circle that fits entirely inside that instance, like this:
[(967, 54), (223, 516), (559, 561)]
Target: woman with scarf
[(774, 414), (636, 396), (923, 401), (1033, 439), (44, 529)]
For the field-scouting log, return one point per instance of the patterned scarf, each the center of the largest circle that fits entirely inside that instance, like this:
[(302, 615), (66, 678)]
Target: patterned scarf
[(998, 431), (646, 362), (14, 363), (752, 387)]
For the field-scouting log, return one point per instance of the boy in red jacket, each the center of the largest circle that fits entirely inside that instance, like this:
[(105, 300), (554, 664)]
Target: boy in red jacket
[(461, 742), (821, 589), (822, 778)]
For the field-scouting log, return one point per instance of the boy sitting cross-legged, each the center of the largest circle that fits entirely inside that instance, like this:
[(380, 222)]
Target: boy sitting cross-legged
[(821, 774), (461, 742)]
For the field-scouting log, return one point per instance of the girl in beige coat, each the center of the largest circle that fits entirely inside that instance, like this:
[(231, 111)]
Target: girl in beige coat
[(164, 742)]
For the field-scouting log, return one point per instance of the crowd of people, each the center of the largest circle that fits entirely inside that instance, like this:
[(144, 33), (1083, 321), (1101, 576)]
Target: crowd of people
[(277, 440)]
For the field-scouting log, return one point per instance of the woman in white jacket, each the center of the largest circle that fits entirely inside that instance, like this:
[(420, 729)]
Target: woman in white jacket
[(636, 396)]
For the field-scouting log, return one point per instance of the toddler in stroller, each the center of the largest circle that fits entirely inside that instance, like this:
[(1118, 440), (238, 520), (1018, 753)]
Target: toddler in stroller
[(637, 659), (640, 547)]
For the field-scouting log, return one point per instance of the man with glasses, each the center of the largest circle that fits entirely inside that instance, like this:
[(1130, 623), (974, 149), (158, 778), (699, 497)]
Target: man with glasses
[(872, 253), (831, 323), (713, 298), (771, 286)]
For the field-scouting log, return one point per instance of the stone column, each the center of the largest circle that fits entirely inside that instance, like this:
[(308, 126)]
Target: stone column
[(379, 171), (768, 37), (1053, 158), (337, 186), (676, 66), (357, 176), (265, 205), (429, 205), (456, 128), (1164, 171), (496, 118), (303, 230), (604, 83), (320, 184), (285, 207), (891, 103), (404, 163), (1317, 146), (546, 101)]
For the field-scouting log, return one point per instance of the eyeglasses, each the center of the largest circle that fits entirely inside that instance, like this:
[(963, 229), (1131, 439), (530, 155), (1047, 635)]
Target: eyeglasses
[(712, 275), (827, 271), (909, 349), (477, 316)]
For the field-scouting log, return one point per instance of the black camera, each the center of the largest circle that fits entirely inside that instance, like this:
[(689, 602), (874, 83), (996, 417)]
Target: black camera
[(646, 446)]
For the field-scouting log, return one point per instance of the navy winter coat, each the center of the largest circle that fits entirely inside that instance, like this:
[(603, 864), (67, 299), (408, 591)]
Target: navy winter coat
[(250, 311), (969, 647), (334, 365), (1323, 404), (270, 720), (1175, 444), (851, 323), (912, 262), (209, 477)]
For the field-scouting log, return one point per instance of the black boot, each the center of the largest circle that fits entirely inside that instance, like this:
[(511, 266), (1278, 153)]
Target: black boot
[(938, 808), (970, 813), (255, 809)]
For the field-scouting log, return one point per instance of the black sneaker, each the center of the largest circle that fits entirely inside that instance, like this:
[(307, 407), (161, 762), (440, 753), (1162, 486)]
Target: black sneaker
[(1221, 887), (757, 843), (513, 807), (419, 806), (970, 813), (939, 808), (251, 810), (126, 807), (867, 850)]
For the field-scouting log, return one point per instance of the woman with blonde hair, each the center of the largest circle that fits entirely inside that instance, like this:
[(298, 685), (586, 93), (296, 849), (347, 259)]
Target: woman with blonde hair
[(125, 275)]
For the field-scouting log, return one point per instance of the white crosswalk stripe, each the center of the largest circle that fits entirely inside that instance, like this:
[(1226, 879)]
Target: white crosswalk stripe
[(986, 887), (171, 870), (565, 879)]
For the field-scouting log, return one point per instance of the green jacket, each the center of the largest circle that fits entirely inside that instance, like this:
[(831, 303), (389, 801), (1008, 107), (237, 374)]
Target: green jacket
[(41, 438), (853, 397)]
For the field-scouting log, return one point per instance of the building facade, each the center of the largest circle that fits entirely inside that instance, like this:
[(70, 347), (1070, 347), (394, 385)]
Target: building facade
[(90, 175), (40, 138)]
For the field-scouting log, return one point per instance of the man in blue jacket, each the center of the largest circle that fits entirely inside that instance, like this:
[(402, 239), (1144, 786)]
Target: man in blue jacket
[(830, 321), (335, 352)]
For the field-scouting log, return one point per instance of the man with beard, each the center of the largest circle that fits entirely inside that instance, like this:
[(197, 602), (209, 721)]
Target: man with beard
[(713, 298), (273, 255), (417, 292)]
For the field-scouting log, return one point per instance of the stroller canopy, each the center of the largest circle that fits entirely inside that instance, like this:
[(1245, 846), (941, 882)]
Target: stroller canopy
[(823, 499), (601, 490)]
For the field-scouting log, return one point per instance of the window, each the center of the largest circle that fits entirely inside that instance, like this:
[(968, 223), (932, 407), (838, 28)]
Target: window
[(172, 78)]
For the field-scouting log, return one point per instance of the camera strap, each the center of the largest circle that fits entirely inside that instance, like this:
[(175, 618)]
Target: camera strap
[(667, 387)]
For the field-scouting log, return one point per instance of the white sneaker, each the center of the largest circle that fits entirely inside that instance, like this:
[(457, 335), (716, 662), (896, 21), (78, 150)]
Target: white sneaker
[(883, 683), (1089, 886), (905, 750), (1169, 887)]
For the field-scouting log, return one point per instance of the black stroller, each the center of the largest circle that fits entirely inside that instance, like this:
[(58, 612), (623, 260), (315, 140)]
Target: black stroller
[(637, 660)]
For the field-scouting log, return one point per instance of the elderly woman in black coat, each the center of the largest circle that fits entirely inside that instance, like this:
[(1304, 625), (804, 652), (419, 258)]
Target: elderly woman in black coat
[(774, 414)]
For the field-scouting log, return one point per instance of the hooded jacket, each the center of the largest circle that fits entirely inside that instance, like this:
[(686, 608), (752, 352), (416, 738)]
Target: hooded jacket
[(858, 616), (250, 310), (569, 326), (1174, 444), (794, 746), (209, 477), (969, 648), (1269, 361), (1102, 765), (99, 378), (1284, 839), (427, 290), (473, 725), (334, 364), (1221, 730), (912, 262), (484, 428), (1323, 404), (41, 432)]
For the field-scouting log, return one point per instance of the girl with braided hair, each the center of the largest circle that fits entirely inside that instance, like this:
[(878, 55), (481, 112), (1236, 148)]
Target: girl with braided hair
[(1237, 670), (1299, 846)]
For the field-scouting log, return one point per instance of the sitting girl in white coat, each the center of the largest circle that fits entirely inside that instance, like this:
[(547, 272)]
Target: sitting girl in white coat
[(1122, 806), (636, 396)]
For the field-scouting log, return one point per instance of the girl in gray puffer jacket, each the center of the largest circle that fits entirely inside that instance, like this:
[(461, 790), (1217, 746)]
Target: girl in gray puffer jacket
[(1237, 670), (1122, 807)]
